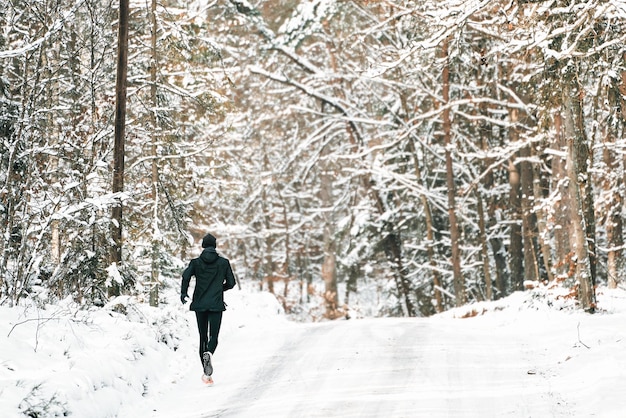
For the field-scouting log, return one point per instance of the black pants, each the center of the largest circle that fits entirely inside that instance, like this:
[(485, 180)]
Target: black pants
[(209, 324)]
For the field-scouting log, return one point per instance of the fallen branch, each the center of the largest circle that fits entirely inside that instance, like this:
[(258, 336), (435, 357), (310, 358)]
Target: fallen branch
[(578, 328)]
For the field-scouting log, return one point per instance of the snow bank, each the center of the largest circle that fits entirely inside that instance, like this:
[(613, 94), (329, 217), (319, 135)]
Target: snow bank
[(59, 360), (581, 354)]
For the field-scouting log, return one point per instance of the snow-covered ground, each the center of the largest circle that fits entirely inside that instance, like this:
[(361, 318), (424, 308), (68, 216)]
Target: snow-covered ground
[(523, 356)]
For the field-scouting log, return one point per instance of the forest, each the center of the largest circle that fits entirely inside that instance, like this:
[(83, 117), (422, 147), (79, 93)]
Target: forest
[(440, 152)]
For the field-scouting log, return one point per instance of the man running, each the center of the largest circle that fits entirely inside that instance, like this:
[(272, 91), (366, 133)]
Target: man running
[(213, 277)]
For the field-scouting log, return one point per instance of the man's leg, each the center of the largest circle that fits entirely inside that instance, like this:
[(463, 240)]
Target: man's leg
[(215, 322), (203, 325)]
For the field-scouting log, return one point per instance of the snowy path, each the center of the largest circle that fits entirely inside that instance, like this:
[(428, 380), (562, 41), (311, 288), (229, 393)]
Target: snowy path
[(370, 368), (521, 356)]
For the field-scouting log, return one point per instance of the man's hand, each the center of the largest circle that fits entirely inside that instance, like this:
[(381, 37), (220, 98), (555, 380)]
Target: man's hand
[(183, 298)]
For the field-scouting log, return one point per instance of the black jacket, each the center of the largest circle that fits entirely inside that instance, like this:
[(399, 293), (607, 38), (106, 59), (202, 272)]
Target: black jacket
[(213, 276)]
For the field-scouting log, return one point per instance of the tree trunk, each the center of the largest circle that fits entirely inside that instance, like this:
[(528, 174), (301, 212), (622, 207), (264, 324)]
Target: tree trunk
[(269, 267), (459, 282), (351, 283), (329, 265), (542, 233), (499, 255), (584, 158), (529, 220), (497, 246), (154, 267), (484, 131), (484, 251), (562, 220), (120, 128), (287, 269), (329, 275), (516, 244), (577, 152), (613, 223)]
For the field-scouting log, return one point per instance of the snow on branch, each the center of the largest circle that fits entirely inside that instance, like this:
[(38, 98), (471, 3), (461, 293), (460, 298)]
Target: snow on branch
[(56, 27), (454, 19), (253, 15), (332, 101)]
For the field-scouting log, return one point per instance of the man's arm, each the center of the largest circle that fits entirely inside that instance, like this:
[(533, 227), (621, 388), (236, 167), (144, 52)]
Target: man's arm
[(229, 282), (184, 286)]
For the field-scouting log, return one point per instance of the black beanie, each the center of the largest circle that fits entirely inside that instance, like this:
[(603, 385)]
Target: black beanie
[(209, 241)]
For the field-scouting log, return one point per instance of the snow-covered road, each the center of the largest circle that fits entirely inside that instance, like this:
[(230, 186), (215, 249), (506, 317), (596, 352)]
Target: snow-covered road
[(433, 367), (522, 356), (352, 368)]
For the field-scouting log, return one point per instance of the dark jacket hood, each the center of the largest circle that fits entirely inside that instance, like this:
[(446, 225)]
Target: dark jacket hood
[(209, 255)]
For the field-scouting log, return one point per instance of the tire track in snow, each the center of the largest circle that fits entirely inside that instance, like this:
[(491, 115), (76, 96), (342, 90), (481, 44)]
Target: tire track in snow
[(395, 368), (353, 368)]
